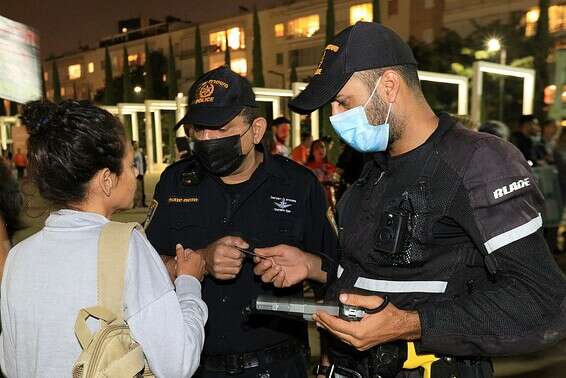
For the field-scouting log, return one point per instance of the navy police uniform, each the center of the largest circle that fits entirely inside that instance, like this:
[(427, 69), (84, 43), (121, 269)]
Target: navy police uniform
[(282, 203)]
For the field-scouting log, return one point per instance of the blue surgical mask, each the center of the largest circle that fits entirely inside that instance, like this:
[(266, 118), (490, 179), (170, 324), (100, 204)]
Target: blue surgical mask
[(354, 128)]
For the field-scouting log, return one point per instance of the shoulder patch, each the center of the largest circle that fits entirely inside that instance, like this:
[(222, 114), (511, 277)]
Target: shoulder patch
[(150, 213)]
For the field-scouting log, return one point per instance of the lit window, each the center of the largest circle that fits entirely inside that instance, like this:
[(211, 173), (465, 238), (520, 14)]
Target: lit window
[(236, 39), (91, 67), (240, 66), (361, 12), (304, 26), (74, 71), (280, 30), (62, 91), (132, 59), (164, 78), (45, 76), (556, 19)]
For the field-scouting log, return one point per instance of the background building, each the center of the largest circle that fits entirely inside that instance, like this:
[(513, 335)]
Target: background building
[(290, 35)]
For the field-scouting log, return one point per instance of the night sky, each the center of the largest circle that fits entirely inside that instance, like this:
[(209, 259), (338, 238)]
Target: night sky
[(63, 24)]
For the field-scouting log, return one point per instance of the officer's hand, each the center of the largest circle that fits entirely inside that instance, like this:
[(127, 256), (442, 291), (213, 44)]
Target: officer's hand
[(223, 260), (170, 265), (189, 262), (388, 325), (287, 266)]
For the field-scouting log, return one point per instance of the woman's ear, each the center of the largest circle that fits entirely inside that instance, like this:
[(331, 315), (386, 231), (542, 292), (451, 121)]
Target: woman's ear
[(106, 181), (259, 125)]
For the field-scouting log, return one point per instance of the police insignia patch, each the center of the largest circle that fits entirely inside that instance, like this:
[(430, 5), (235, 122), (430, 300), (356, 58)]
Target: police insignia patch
[(330, 217), (150, 213)]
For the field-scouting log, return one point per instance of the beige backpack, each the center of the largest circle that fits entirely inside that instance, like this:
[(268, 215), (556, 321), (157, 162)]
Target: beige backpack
[(110, 352)]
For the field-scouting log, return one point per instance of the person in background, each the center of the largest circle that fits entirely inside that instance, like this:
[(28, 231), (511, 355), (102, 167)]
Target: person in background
[(11, 202), (559, 155), (139, 161), (21, 163), (467, 121), (496, 128), (281, 128), (301, 152), (329, 144), (324, 171), (526, 137), (49, 277), (550, 133)]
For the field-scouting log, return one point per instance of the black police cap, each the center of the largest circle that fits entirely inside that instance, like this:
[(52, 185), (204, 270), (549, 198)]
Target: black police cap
[(362, 46), (216, 98)]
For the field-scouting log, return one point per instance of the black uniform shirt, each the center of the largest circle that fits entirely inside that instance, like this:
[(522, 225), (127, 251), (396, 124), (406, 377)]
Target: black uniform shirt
[(480, 208), (282, 203)]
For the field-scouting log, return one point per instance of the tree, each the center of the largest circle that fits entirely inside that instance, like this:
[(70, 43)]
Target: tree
[(109, 98), (148, 78), (56, 84), (126, 79), (171, 73), (259, 81), (330, 22), (227, 57), (376, 11), (543, 42), (172, 91), (199, 65)]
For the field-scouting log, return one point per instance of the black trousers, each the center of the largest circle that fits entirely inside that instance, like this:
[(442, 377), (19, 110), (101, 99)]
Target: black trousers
[(293, 367)]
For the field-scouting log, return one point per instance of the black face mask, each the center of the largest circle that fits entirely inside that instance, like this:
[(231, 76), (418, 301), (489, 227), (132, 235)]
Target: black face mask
[(221, 156)]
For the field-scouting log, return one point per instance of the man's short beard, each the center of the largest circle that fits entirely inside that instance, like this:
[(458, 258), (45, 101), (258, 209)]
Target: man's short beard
[(376, 111)]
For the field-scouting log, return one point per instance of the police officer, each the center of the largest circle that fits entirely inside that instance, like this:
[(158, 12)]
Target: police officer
[(233, 196), (444, 224)]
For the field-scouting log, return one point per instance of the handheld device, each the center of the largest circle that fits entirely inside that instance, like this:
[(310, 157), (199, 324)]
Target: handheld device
[(305, 308)]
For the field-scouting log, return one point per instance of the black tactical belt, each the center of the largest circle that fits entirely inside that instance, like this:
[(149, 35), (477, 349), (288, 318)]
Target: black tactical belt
[(236, 363)]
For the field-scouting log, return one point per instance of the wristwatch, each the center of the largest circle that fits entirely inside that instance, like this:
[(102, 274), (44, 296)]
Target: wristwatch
[(320, 370)]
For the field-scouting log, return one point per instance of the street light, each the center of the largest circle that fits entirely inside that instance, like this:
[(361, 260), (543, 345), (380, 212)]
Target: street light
[(493, 44), (137, 89)]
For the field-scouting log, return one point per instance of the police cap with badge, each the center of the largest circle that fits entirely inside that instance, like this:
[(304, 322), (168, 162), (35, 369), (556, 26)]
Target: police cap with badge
[(214, 100)]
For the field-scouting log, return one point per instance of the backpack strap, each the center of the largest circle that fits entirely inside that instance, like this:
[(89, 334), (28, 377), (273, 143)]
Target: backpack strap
[(113, 248)]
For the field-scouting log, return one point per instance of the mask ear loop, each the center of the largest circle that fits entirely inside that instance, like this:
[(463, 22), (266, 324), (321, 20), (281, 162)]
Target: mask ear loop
[(253, 144), (373, 92), (388, 112)]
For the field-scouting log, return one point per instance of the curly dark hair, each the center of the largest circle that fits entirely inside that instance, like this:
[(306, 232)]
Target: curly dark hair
[(68, 144), (11, 200)]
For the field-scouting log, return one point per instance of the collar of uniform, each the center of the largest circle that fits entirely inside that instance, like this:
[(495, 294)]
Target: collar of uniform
[(270, 164), (445, 123)]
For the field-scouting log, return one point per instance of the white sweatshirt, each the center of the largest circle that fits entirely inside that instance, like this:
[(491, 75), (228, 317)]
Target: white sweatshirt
[(50, 276)]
